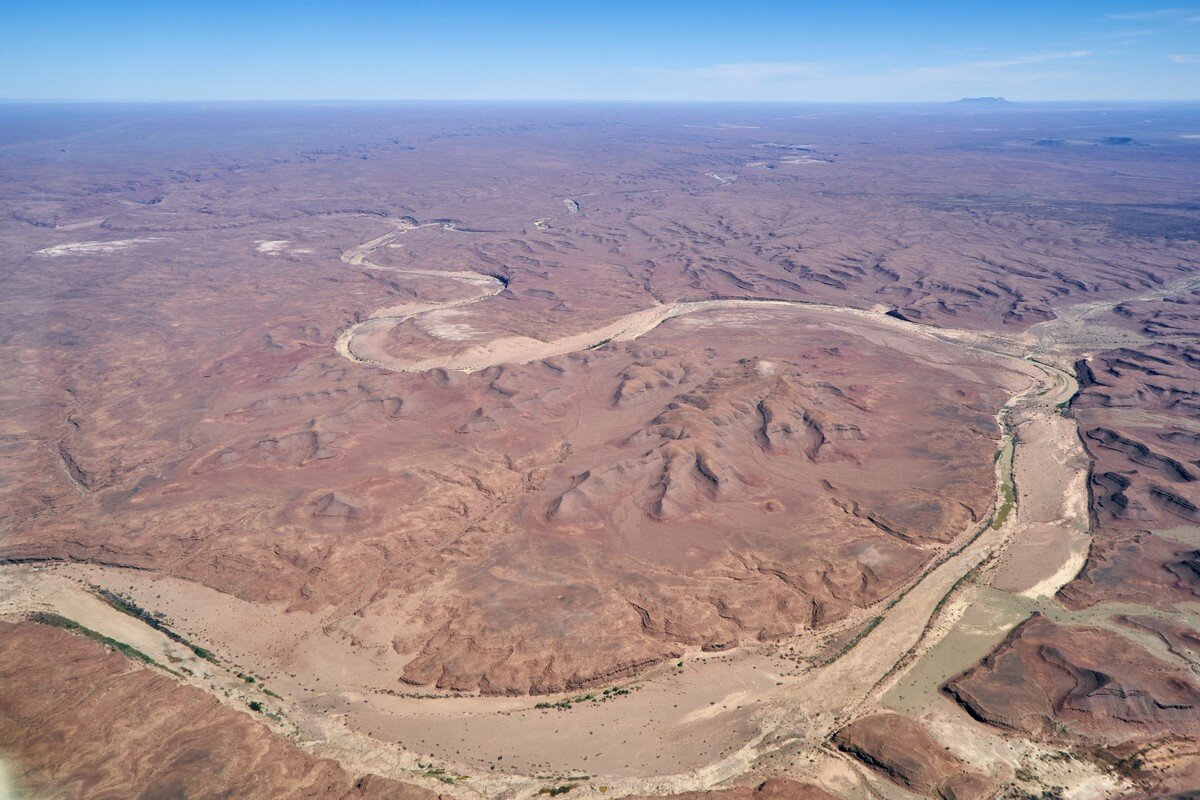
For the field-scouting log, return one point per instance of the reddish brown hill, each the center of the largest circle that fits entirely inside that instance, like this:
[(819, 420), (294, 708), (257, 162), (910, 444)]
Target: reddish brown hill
[(82, 722), (1059, 682), (904, 751)]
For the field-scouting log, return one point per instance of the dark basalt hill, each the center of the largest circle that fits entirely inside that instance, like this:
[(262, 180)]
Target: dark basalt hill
[(1056, 682)]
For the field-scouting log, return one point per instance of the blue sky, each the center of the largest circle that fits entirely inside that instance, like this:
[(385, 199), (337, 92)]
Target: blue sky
[(614, 50)]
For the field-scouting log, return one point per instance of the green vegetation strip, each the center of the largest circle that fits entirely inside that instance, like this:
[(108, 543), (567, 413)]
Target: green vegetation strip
[(442, 776), (1008, 490), (127, 606), (56, 621), (607, 694), (858, 637)]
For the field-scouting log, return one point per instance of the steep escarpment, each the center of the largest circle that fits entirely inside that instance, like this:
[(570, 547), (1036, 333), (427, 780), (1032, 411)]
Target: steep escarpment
[(1135, 408)]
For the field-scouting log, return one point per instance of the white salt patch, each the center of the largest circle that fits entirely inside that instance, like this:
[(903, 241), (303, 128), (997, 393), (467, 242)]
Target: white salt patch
[(85, 248), (442, 325)]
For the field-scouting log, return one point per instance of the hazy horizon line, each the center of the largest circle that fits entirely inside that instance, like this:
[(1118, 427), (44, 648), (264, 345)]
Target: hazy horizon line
[(571, 101)]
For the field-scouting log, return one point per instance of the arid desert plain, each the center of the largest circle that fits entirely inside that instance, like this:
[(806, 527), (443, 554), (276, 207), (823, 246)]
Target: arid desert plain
[(743, 452)]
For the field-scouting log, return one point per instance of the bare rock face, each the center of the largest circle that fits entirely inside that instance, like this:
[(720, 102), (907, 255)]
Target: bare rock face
[(104, 728), (334, 506), (904, 751), (1058, 682)]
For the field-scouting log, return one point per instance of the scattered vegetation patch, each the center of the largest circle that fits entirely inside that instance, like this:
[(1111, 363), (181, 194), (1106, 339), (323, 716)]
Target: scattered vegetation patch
[(440, 774), (57, 621), (967, 577), (599, 344), (1128, 764), (590, 697), (1010, 500), (1007, 489), (1053, 793), (554, 791), (1129, 767), (416, 695), (858, 637), (207, 655), (126, 606)]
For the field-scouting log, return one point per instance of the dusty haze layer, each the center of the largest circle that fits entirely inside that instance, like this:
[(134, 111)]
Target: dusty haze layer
[(391, 407)]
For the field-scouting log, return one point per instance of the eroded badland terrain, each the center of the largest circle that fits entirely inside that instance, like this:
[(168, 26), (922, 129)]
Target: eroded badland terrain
[(749, 453)]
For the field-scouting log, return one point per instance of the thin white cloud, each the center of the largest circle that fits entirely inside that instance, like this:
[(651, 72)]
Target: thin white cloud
[(1182, 58), (1159, 13)]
